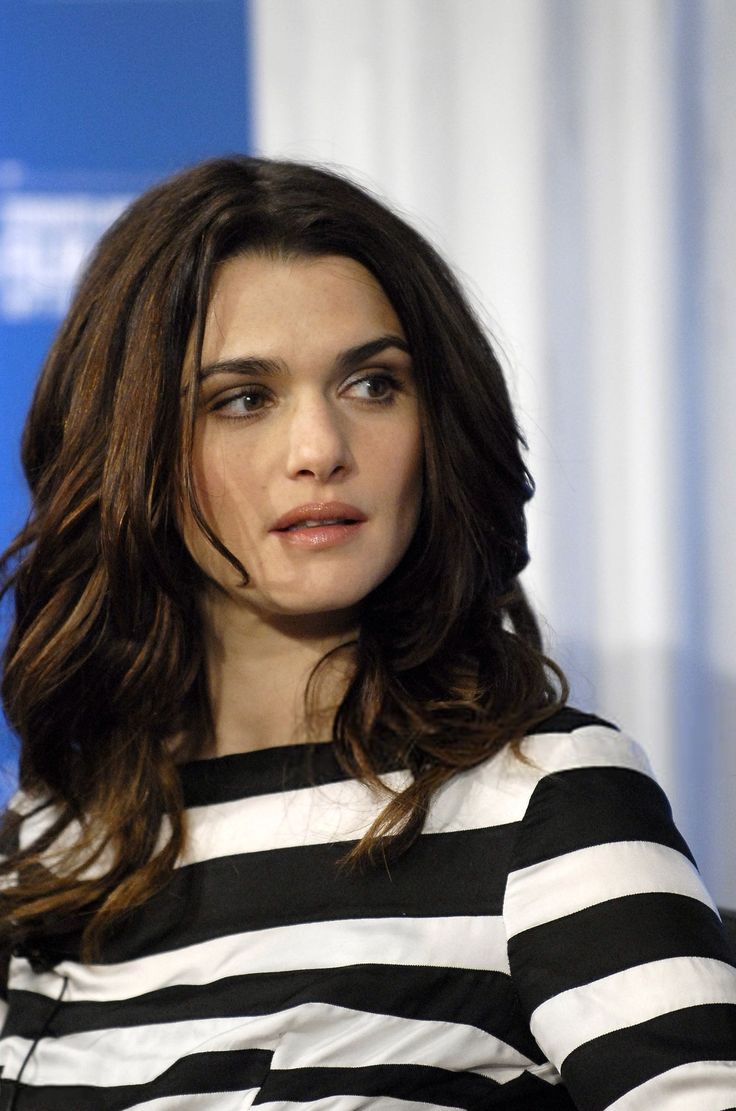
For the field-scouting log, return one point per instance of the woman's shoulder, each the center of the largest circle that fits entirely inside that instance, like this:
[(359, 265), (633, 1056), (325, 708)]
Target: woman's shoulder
[(589, 785), (499, 790), (572, 738)]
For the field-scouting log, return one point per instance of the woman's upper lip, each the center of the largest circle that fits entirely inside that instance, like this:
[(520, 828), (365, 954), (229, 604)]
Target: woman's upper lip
[(318, 511)]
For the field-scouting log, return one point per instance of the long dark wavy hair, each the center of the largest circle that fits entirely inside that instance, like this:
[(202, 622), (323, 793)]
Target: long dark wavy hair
[(104, 661)]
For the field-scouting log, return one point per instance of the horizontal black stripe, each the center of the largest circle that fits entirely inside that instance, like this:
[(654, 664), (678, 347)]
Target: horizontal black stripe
[(605, 1068), (245, 1069), (450, 874), (247, 774), (567, 720), (265, 771), (233, 1071), (289, 767), (637, 929), (581, 807), (413, 1082), (485, 1000), (460, 873)]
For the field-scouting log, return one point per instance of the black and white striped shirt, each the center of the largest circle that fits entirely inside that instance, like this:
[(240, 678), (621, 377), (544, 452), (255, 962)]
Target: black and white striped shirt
[(547, 943)]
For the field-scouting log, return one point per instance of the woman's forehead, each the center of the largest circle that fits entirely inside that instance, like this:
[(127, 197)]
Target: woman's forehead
[(280, 306)]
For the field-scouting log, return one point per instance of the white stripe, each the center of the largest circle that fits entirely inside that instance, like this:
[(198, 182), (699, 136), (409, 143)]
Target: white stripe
[(310, 815), (34, 825), (132, 1055), (238, 1101), (494, 793), (704, 1085), (337, 1037), (461, 942), (586, 877), (591, 746), (499, 790), (574, 1017), (208, 1101), (309, 1035)]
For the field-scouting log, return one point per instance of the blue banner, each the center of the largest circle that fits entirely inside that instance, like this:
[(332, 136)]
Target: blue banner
[(100, 98)]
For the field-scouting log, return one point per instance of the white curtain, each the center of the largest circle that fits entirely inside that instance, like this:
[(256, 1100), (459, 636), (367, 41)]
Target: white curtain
[(576, 161)]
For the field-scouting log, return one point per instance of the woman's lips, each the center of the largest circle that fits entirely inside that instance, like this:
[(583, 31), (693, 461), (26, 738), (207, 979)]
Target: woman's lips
[(319, 524)]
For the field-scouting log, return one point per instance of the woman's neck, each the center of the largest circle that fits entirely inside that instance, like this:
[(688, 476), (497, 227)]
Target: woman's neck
[(258, 668)]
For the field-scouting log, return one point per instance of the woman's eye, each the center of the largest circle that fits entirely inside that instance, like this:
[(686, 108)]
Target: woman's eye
[(375, 387), (247, 401)]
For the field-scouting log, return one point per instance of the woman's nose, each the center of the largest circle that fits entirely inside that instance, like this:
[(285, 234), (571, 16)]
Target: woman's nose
[(318, 442)]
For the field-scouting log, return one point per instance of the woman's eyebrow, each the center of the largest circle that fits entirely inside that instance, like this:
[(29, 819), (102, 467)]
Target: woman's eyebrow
[(347, 360), (244, 365), (356, 356)]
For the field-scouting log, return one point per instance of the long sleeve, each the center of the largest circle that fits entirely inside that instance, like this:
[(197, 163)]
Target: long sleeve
[(615, 947)]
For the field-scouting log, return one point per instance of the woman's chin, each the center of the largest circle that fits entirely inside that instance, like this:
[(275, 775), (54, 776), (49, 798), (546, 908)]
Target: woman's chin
[(247, 607)]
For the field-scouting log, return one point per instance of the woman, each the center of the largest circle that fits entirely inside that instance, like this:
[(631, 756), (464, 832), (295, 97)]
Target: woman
[(303, 817)]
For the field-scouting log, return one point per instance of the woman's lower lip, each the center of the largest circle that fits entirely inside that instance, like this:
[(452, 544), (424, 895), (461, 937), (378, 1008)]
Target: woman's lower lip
[(319, 536)]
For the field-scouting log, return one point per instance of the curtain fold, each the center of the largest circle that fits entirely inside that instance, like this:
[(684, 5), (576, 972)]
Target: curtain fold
[(576, 160)]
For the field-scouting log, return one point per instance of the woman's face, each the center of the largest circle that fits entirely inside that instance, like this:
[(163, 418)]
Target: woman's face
[(307, 449)]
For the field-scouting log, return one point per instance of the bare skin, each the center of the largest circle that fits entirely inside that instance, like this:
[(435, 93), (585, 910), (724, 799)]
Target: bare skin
[(258, 697), (308, 465)]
